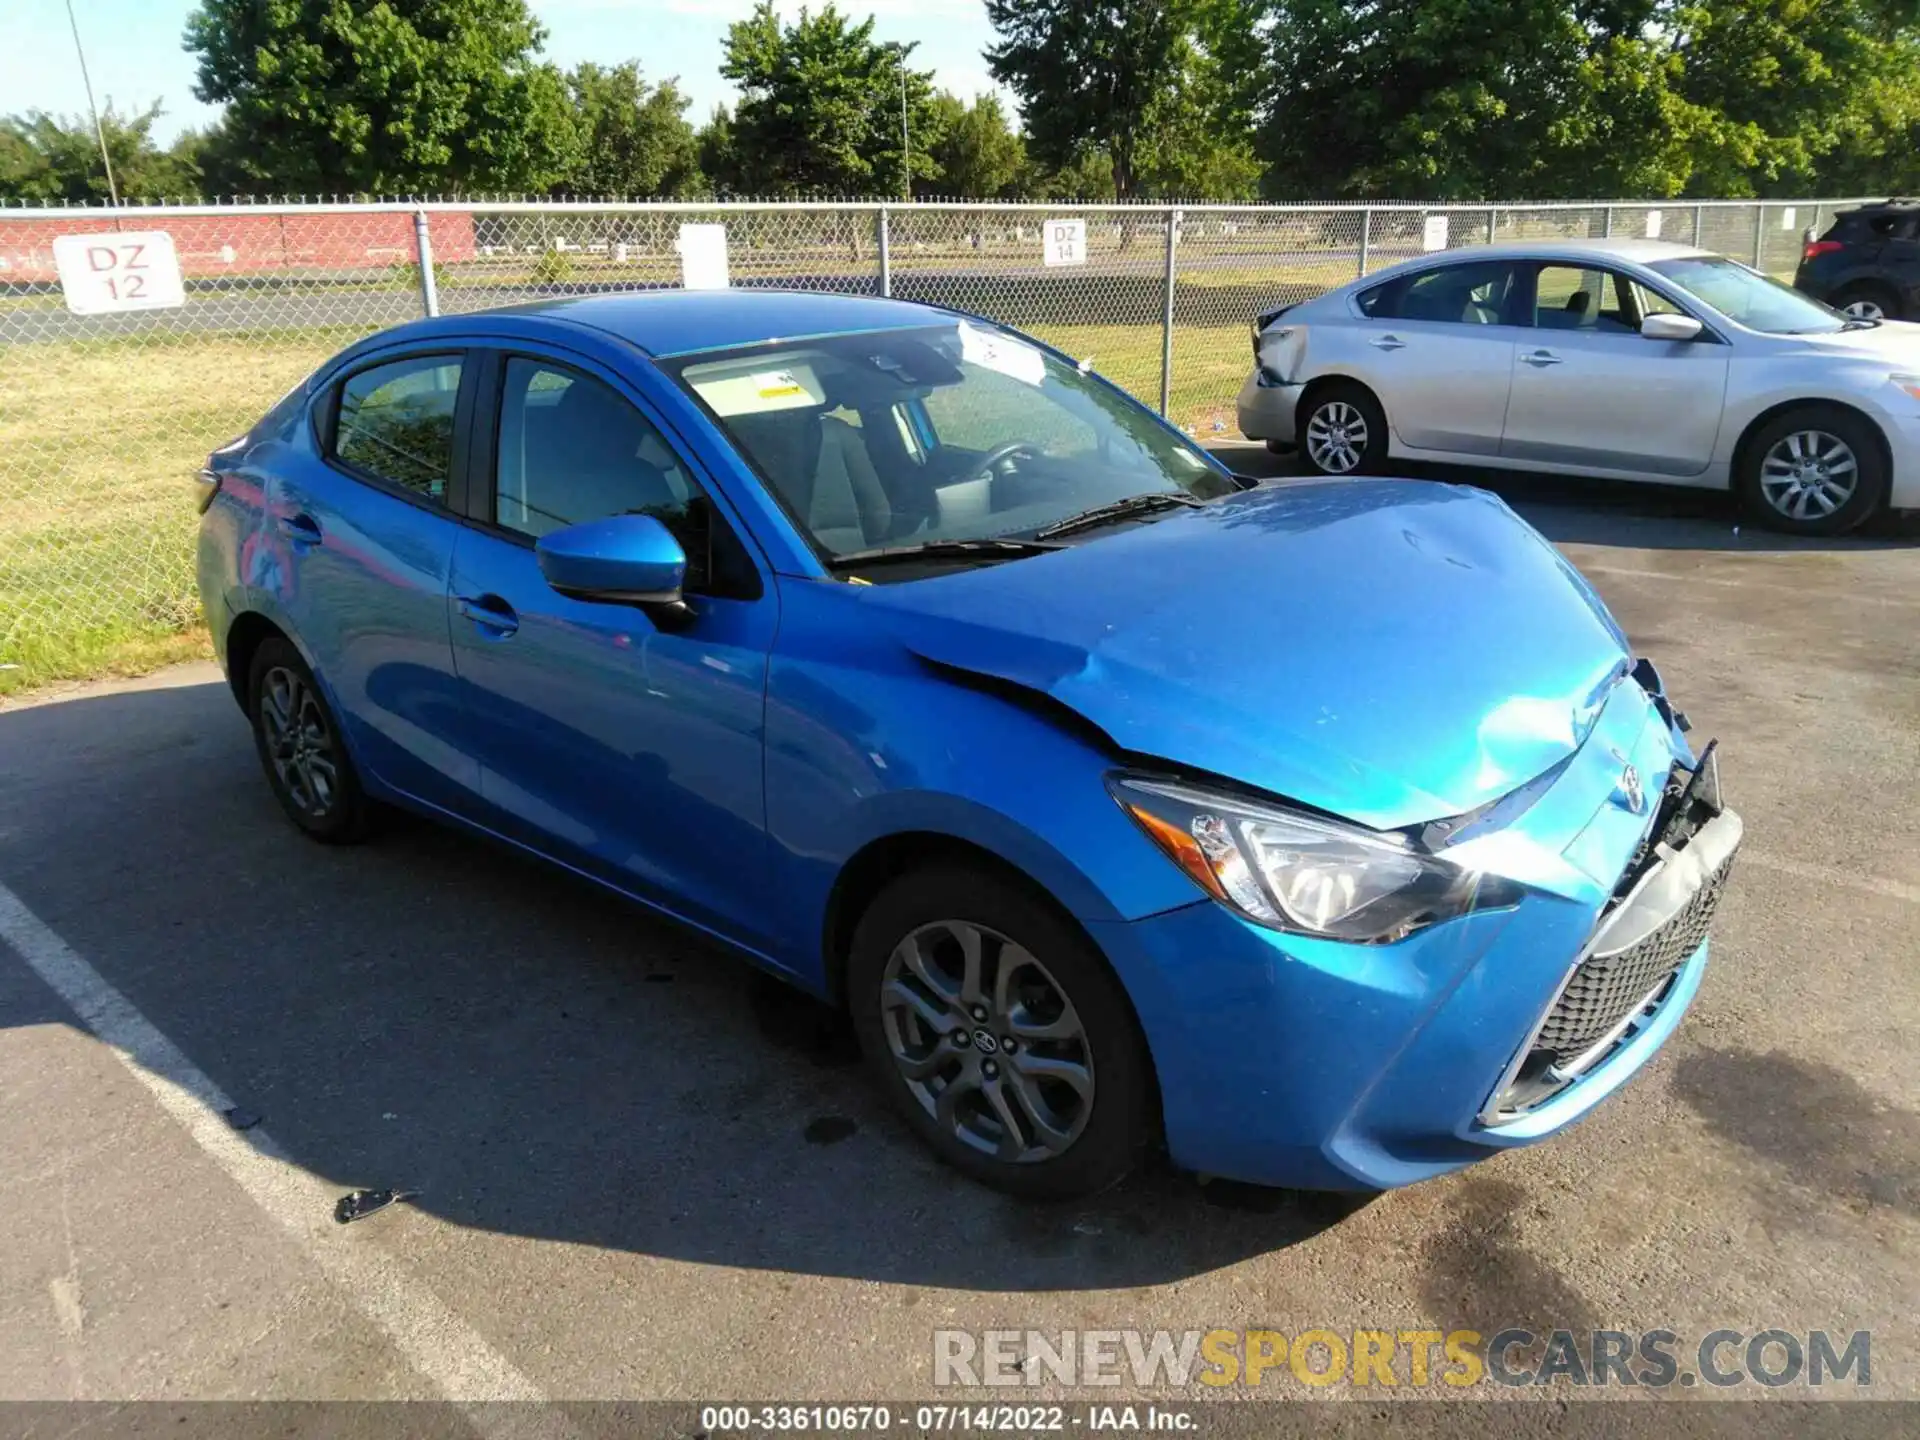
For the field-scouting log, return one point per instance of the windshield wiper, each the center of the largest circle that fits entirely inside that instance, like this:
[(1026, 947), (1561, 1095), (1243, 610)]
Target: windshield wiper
[(941, 550), (1858, 323), (1119, 510)]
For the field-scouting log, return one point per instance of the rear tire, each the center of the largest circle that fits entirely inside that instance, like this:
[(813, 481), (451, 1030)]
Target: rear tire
[(955, 951), (1867, 301), (300, 747), (1812, 470), (1342, 430)]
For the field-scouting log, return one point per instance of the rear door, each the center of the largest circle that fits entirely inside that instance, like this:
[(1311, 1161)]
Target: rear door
[(1437, 347), (363, 534), (1901, 258), (1589, 390)]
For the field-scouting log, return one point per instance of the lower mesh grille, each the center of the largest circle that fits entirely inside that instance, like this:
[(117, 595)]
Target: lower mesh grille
[(1606, 989)]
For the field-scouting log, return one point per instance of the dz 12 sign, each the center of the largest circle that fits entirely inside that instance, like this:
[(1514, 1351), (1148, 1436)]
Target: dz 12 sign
[(118, 270)]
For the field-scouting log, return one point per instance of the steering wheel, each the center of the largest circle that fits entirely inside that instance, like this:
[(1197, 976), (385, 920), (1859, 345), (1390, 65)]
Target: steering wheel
[(1002, 453)]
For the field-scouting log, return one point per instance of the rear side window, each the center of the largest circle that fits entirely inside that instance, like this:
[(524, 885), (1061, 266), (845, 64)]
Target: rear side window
[(396, 423), (1475, 294)]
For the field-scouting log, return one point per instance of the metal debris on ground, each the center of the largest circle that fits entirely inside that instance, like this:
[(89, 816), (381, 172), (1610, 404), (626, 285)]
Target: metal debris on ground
[(358, 1204)]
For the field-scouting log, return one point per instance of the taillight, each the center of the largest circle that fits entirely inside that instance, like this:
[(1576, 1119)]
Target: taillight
[(1820, 247)]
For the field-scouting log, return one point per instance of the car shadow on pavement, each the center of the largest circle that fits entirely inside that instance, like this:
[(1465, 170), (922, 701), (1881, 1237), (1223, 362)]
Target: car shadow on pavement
[(1575, 510), (529, 1054)]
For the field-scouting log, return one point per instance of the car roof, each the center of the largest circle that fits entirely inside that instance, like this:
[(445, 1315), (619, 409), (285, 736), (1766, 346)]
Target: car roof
[(676, 322), (1625, 248)]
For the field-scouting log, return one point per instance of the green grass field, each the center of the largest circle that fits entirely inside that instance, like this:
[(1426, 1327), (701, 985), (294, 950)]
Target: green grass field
[(99, 441)]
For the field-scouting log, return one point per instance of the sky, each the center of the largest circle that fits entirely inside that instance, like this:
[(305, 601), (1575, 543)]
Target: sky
[(134, 56)]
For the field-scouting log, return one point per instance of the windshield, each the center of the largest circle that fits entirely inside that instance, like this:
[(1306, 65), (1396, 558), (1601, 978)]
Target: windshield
[(1749, 298), (949, 433)]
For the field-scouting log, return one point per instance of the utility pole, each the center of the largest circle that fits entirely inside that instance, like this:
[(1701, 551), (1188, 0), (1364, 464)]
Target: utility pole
[(99, 134), (906, 145)]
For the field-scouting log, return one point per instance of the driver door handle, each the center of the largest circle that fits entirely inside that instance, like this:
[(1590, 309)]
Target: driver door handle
[(1540, 359), (492, 614), (1388, 342)]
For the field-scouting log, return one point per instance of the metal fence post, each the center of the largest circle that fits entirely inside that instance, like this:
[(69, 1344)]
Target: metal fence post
[(423, 254), (886, 255), (1366, 227), (1166, 317), (1493, 225), (1759, 237), (1606, 231), (1700, 226)]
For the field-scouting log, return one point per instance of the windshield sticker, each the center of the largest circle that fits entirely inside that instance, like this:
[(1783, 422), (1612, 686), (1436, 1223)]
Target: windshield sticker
[(1002, 354), (730, 390)]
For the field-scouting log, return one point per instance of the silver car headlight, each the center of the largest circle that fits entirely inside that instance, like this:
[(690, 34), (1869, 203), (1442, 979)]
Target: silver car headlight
[(1303, 873)]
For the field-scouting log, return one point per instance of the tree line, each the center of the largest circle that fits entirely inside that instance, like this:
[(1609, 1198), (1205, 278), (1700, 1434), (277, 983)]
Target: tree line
[(1118, 99)]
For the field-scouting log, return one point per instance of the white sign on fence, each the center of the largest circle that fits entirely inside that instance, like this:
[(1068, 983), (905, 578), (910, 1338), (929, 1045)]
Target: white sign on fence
[(1787, 217), (124, 270), (703, 256), (1065, 242), (1434, 236), (1653, 224)]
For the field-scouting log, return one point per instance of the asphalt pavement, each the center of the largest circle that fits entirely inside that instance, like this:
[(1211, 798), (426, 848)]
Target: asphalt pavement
[(640, 1172)]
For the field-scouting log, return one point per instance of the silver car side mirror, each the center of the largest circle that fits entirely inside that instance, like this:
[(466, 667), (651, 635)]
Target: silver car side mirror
[(1671, 327)]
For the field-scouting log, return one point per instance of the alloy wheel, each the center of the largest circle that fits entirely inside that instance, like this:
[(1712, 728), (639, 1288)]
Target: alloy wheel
[(1809, 474), (1864, 310), (300, 742), (987, 1041), (1337, 437)]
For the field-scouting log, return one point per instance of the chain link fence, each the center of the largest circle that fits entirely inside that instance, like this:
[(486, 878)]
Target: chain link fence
[(105, 417)]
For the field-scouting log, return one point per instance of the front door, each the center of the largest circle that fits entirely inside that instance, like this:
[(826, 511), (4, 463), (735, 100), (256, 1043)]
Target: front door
[(628, 750), (1589, 390)]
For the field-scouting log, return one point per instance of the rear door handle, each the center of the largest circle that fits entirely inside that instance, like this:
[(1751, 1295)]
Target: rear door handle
[(1540, 359), (301, 528), (490, 613), (1388, 342)]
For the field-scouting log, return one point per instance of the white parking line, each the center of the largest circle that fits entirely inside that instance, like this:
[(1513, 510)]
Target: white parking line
[(434, 1340), (1828, 875)]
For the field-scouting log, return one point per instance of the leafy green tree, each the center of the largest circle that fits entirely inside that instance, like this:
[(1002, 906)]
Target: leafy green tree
[(385, 96), (717, 156), (51, 158), (821, 104), (634, 139), (1088, 73), (980, 155)]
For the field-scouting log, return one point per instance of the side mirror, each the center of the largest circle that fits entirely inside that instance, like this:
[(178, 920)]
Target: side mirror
[(622, 560), (1671, 327)]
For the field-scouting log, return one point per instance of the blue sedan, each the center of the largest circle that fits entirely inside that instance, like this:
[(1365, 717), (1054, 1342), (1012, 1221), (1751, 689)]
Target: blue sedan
[(1327, 834)]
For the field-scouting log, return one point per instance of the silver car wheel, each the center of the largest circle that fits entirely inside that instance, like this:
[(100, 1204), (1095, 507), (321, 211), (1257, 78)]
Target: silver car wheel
[(987, 1041), (299, 742), (1337, 437), (1864, 310), (1809, 474)]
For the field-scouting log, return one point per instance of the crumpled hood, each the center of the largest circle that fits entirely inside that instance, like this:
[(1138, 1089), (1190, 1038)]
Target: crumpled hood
[(1390, 651)]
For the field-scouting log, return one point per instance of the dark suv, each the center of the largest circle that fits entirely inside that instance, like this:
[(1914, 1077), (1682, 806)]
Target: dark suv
[(1868, 262)]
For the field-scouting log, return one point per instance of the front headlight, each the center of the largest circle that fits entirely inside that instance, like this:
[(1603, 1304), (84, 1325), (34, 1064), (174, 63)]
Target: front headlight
[(1303, 873)]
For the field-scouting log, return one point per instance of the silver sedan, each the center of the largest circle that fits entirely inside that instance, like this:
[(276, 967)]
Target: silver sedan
[(1631, 359)]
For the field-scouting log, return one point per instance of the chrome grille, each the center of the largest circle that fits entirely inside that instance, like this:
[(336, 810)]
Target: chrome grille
[(1606, 988)]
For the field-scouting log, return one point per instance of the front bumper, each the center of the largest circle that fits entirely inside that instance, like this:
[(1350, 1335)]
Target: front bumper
[(1266, 409), (1288, 1060)]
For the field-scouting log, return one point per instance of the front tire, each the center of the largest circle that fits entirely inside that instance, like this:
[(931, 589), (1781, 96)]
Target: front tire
[(1000, 1034), (298, 740), (1343, 430), (1812, 470)]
